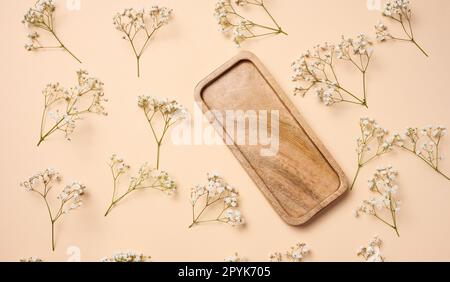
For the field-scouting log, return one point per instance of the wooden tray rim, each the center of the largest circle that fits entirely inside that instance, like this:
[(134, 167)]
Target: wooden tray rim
[(343, 187)]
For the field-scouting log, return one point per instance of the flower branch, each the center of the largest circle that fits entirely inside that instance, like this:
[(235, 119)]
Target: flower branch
[(425, 144), (70, 197), (139, 26), (383, 184), (146, 179), (372, 252), (41, 17), (316, 70), (169, 110), (296, 254), (232, 21), (127, 257), (374, 142), (216, 195), (66, 106), (399, 11)]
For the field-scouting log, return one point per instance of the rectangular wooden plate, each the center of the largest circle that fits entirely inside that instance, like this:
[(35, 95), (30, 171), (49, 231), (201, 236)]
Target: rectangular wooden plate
[(303, 177)]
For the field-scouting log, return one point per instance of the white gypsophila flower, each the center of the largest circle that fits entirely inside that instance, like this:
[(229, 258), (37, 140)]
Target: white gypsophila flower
[(233, 217), (374, 142), (276, 257), (234, 258), (315, 70), (372, 252), (383, 184), (70, 197), (399, 11), (234, 24), (382, 32), (31, 259), (147, 178), (127, 257), (41, 17), (216, 192), (396, 8), (170, 111), (47, 178), (139, 26), (66, 106), (425, 144), (296, 254)]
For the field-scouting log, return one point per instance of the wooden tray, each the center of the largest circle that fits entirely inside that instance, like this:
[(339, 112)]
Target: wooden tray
[(303, 177)]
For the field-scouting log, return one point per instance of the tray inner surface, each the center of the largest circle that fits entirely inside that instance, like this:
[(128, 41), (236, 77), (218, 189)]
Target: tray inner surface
[(299, 177)]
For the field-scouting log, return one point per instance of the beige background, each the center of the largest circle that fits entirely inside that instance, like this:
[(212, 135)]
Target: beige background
[(405, 88)]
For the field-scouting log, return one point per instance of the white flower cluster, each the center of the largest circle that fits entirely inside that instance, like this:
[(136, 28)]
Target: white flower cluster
[(397, 8), (372, 252), (170, 109), (138, 26), (127, 257), (46, 178), (370, 132), (234, 258), (361, 46), (39, 16), (84, 98), (40, 13), (72, 193), (425, 143), (31, 259), (240, 28), (217, 191), (130, 21), (316, 70), (118, 165), (382, 32), (399, 11), (146, 178), (296, 254), (41, 183), (383, 183), (276, 257)]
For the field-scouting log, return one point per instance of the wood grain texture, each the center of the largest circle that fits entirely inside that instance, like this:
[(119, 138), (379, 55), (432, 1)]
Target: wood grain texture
[(303, 177)]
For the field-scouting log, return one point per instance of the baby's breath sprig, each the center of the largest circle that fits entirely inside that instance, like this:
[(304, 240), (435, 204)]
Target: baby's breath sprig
[(169, 110), (296, 254), (65, 106), (234, 258), (372, 134), (232, 22), (425, 144), (127, 257), (31, 259), (398, 11), (70, 197), (40, 17), (383, 183), (216, 193), (372, 252), (139, 26), (146, 179), (316, 70)]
